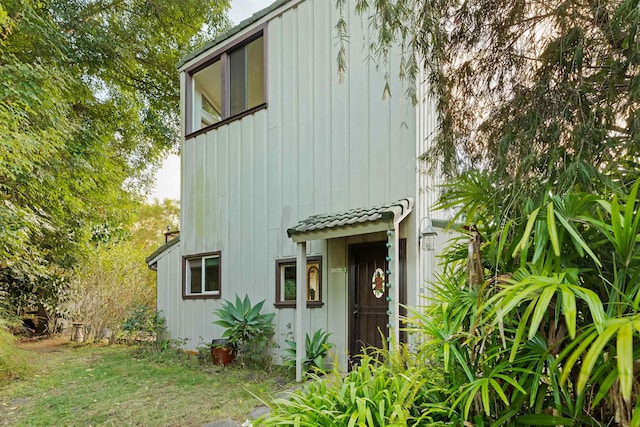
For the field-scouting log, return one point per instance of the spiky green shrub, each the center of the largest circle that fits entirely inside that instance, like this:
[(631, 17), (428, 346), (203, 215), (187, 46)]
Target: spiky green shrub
[(316, 349), (246, 328), (373, 394), (536, 323)]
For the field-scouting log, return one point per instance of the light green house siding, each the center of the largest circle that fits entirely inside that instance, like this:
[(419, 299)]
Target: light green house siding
[(320, 146)]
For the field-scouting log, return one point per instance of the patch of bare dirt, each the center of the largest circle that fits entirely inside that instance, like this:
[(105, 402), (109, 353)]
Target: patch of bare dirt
[(44, 344)]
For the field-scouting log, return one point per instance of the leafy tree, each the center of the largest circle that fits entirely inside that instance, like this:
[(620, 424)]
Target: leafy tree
[(113, 281), (89, 106), (152, 220), (545, 95)]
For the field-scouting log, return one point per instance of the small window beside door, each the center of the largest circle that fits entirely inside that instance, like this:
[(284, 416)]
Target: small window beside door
[(286, 288)]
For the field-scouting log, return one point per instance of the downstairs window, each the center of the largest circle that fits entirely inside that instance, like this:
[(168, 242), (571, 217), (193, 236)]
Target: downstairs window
[(201, 275)]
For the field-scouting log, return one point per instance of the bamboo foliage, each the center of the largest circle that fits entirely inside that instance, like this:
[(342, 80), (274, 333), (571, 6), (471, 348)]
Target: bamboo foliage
[(558, 313)]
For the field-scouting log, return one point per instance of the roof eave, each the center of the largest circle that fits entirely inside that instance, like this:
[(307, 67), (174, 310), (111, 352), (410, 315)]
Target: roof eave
[(342, 231), (152, 259), (232, 31)]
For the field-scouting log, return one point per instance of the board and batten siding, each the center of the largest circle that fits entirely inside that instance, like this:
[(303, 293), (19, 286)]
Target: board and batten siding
[(181, 320), (320, 146)]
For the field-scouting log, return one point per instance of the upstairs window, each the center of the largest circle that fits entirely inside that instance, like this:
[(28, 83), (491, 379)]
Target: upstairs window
[(207, 96), (201, 276), (246, 77), (227, 85)]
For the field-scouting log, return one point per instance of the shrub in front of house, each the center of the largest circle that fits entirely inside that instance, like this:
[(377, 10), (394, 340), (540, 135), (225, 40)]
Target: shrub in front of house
[(246, 328), (375, 393), (316, 349)]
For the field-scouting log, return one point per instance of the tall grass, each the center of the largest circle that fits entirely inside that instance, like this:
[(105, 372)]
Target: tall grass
[(13, 363), (386, 389)]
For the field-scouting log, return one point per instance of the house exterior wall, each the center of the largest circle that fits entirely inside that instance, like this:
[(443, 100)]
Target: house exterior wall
[(169, 296), (320, 146), (427, 183)]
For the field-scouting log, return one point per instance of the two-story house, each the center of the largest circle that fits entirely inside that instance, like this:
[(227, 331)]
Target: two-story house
[(298, 187)]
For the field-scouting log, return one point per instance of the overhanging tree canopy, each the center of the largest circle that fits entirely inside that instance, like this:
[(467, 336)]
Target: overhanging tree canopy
[(540, 93), (89, 99)]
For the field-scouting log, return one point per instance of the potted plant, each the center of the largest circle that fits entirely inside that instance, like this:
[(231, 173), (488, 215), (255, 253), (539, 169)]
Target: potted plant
[(222, 352), (247, 331)]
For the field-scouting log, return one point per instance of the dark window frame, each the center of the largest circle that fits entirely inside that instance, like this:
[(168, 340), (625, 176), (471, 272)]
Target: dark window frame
[(222, 54), (280, 302), (202, 256)]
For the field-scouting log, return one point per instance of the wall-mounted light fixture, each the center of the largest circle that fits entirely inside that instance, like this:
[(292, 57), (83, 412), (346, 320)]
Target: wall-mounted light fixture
[(427, 235)]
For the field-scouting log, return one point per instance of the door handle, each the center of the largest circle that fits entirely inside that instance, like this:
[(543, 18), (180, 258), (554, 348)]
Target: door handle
[(356, 309)]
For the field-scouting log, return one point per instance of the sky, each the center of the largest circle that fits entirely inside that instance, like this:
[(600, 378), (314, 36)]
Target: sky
[(167, 184)]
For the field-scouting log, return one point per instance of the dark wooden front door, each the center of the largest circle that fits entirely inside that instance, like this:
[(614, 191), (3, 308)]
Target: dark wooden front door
[(369, 293)]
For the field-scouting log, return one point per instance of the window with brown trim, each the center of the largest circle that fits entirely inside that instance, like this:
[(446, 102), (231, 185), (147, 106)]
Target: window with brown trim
[(227, 85), (201, 275), (286, 289)]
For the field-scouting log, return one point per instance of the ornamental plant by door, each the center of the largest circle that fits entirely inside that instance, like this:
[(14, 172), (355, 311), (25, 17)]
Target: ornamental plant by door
[(316, 349), (246, 329)]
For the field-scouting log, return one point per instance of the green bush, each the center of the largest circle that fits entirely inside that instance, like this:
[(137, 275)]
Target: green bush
[(316, 350), (145, 326), (13, 363), (246, 328), (535, 316), (373, 394), (142, 319)]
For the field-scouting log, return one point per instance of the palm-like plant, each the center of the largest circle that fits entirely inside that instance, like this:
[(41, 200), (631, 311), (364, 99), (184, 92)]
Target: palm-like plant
[(372, 394), (551, 336), (316, 349), (245, 327)]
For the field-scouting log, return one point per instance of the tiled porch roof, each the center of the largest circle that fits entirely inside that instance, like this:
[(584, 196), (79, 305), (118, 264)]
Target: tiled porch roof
[(356, 216)]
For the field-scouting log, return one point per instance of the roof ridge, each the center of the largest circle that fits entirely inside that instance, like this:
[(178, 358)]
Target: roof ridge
[(232, 31)]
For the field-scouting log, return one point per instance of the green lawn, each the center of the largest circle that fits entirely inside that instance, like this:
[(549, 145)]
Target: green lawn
[(82, 385)]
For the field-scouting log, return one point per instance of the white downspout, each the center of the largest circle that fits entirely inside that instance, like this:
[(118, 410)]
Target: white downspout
[(301, 305), (394, 305)]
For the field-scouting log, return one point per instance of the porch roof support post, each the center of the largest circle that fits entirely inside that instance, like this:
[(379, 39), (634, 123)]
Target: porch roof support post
[(301, 293), (394, 305), (396, 284)]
